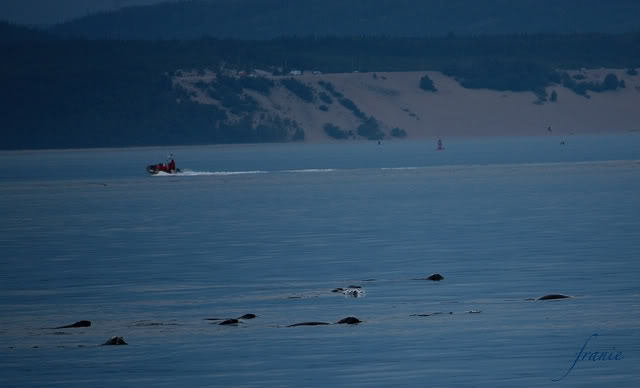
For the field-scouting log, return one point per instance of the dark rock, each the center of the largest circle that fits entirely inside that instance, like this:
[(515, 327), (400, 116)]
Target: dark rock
[(435, 277), (553, 296), (426, 315), (229, 322), (248, 316), (152, 324), (430, 314), (308, 324), (353, 291), (115, 341), (349, 320), (77, 324)]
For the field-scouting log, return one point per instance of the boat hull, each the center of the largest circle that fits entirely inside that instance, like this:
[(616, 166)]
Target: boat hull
[(154, 170)]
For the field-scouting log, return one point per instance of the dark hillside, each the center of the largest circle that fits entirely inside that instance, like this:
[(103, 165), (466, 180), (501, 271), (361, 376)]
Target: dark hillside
[(266, 19)]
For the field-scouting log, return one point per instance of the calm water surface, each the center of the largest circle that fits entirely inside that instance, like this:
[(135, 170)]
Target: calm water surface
[(272, 229)]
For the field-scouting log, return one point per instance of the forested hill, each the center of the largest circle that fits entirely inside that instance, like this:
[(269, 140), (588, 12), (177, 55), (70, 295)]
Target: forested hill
[(11, 33), (60, 93), (266, 19)]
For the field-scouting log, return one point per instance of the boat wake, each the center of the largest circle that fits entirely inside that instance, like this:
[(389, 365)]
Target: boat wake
[(312, 170), (238, 172), (435, 168), (186, 172), (183, 173)]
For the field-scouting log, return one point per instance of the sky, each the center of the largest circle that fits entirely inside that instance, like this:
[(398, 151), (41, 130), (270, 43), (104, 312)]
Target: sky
[(38, 12)]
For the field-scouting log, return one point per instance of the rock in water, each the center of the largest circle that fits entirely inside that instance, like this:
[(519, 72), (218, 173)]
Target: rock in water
[(435, 277), (553, 296), (115, 341), (353, 291), (77, 324), (308, 324), (349, 320)]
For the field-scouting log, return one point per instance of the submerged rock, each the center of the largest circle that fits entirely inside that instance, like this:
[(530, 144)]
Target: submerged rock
[(76, 324), (430, 314), (153, 324), (231, 321), (553, 296), (115, 341), (349, 321), (352, 291), (308, 324), (435, 277)]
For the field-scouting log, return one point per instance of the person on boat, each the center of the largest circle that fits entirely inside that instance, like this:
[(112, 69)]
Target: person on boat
[(171, 164)]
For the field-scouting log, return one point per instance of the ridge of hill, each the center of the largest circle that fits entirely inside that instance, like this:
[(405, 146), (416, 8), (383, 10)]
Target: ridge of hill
[(266, 19)]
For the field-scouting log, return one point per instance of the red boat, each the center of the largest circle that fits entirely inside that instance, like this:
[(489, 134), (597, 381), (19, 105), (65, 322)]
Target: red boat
[(169, 168)]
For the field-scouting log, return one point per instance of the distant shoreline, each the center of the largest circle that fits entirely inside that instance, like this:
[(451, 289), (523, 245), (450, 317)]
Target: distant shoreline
[(389, 106), (227, 146)]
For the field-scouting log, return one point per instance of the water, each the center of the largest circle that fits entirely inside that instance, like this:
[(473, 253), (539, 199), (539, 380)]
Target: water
[(272, 229)]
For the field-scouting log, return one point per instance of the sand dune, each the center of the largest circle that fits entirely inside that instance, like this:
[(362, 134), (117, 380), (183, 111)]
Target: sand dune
[(396, 100)]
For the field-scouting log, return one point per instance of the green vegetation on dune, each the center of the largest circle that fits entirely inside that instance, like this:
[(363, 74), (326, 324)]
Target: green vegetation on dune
[(426, 84), (335, 132), (298, 88), (610, 82)]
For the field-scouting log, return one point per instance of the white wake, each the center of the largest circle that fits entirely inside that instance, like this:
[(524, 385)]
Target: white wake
[(187, 172)]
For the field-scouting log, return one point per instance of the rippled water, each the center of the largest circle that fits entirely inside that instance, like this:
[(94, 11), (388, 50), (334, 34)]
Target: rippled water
[(272, 229)]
